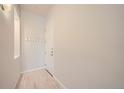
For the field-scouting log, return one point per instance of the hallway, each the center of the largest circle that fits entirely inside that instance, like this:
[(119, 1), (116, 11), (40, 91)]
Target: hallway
[(39, 79), (82, 46)]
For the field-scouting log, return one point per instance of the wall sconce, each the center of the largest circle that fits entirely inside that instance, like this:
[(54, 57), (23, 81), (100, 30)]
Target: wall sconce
[(5, 7)]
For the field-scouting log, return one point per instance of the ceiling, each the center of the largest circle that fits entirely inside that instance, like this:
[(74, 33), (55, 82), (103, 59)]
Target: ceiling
[(39, 9)]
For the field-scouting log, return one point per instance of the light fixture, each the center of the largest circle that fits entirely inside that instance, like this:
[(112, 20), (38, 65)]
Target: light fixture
[(5, 7)]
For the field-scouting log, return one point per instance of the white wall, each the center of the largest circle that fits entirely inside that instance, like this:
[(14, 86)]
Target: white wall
[(9, 67), (49, 45), (89, 47), (32, 27)]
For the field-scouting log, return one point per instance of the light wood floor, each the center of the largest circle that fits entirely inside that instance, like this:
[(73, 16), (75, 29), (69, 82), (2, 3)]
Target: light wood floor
[(39, 79)]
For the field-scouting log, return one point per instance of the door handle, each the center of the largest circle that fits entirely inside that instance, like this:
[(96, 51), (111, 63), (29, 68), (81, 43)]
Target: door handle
[(51, 52)]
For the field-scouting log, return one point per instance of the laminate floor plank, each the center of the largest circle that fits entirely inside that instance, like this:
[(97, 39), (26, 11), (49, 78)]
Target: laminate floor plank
[(39, 79)]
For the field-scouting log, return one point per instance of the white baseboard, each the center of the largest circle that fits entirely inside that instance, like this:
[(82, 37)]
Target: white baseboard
[(62, 85), (34, 69)]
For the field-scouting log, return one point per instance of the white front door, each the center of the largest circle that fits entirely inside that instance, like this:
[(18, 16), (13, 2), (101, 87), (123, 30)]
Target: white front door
[(32, 38)]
